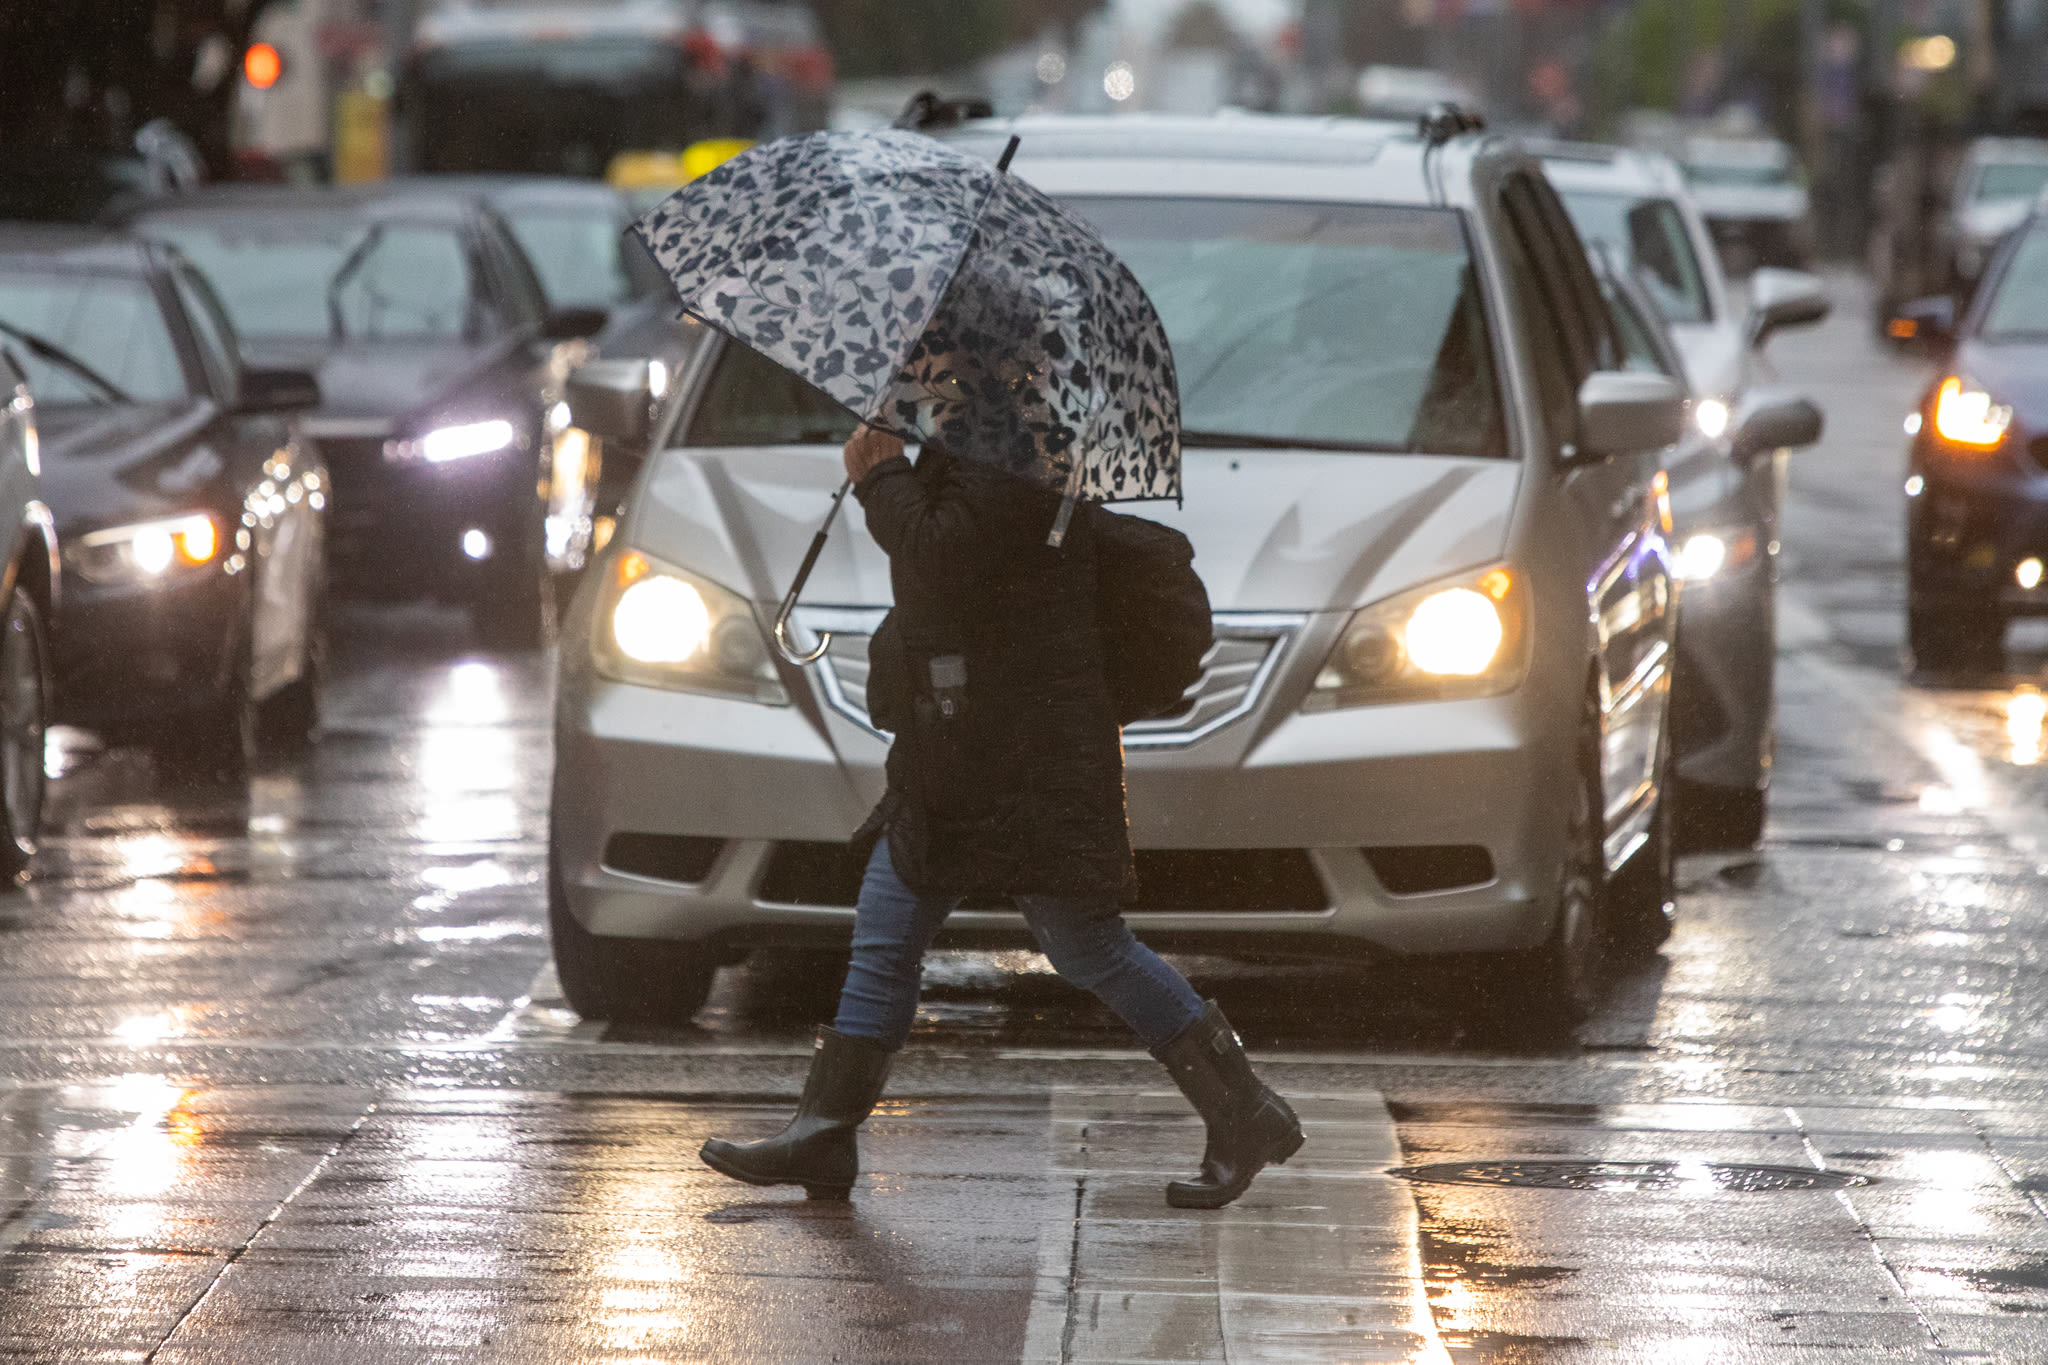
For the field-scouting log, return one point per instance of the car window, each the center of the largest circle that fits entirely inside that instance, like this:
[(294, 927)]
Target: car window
[(114, 324), (1650, 234), (517, 292), (1352, 326), (1639, 349), (2019, 308), (749, 400), (303, 275), (2011, 180), (216, 340), (1557, 386), (579, 254)]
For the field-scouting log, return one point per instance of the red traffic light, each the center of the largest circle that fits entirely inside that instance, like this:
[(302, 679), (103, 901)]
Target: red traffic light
[(262, 65)]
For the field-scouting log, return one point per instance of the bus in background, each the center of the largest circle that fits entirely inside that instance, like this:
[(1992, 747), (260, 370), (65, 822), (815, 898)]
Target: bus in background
[(602, 87)]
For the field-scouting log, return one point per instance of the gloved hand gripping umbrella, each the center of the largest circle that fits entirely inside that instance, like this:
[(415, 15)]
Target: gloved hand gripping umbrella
[(937, 297)]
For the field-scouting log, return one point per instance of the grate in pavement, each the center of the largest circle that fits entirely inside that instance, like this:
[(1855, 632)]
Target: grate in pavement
[(1631, 1176)]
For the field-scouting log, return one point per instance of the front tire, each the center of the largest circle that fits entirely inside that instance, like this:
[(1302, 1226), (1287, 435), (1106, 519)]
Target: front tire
[(655, 982), (1642, 897), (1559, 984), (24, 718)]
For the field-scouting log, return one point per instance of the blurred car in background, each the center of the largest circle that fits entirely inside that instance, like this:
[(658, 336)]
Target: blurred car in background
[(1664, 279), (1429, 515), (439, 364), (1753, 196), (1977, 468), (1996, 184), (577, 234), (189, 512), (28, 596)]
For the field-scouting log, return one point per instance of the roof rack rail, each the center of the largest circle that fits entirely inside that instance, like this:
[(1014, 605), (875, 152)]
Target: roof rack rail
[(1445, 121), (927, 109)]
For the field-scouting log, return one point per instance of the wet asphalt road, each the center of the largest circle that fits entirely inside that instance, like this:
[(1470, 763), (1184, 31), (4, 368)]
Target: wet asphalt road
[(284, 1074)]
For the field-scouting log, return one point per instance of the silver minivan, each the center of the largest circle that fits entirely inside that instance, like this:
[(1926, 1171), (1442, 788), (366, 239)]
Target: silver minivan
[(1425, 495)]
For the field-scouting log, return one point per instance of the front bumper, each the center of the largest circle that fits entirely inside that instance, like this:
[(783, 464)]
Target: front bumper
[(395, 530), (1973, 522), (128, 659), (1288, 805)]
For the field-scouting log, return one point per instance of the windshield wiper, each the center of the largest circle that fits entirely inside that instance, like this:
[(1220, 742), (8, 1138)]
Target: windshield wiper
[(1213, 439), (337, 327), (49, 350)]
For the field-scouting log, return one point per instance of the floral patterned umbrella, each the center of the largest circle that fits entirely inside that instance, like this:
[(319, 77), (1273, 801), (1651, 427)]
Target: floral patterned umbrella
[(936, 296)]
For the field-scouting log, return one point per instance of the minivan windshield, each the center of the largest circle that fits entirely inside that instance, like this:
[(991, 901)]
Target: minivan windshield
[(1345, 327), (1650, 235), (2010, 180), (2020, 307), (286, 276)]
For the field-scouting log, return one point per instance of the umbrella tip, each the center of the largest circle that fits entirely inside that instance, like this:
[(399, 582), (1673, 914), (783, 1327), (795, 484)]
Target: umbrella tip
[(1003, 163)]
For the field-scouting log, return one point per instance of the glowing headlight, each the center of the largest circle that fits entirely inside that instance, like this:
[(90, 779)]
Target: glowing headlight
[(661, 620), (1462, 638), (147, 550), (1454, 634), (1701, 556), (1967, 416), (459, 442), (1710, 415), (666, 627)]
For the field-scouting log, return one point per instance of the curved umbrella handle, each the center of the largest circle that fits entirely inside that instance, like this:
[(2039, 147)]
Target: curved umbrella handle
[(804, 658)]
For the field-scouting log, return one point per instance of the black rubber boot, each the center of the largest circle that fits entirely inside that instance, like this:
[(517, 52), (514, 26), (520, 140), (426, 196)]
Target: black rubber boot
[(817, 1149), (1249, 1125)]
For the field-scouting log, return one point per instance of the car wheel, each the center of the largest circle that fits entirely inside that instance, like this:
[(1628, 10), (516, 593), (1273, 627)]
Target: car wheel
[(24, 715), (1559, 983), (624, 980), (1956, 640), (288, 720), (1642, 897)]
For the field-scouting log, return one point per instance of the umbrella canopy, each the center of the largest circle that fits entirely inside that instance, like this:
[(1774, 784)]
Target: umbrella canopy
[(938, 297)]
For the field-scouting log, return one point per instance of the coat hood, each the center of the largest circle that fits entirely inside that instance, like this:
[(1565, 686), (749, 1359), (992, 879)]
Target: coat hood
[(1272, 530)]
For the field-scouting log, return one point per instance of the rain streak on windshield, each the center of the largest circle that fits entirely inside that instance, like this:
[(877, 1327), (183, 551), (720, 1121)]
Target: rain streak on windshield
[(111, 325), (296, 278)]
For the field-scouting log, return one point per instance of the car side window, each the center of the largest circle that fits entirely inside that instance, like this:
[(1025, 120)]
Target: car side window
[(1550, 342), (212, 332), (1577, 273), (1638, 349)]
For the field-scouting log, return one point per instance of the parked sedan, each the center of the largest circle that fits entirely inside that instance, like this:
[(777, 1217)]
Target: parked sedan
[(190, 513), (1634, 211), (28, 597), (438, 363), (1428, 506), (1977, 471)]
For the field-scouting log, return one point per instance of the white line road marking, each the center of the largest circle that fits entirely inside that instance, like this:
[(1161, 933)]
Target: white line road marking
[(1320, 1261)]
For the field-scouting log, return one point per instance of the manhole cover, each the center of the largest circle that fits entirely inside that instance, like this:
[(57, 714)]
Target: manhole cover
[(1653, 1176)]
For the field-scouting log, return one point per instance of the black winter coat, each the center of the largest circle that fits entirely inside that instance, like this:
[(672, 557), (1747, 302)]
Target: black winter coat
[(1022, 789)]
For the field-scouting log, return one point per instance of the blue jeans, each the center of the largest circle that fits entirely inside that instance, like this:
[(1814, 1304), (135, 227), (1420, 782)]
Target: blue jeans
[(1086, 941)]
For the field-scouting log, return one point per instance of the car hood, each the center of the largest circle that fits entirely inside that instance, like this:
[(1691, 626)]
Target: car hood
[(1272, 530), (2014, 372), (379, 381), (1713, 356), (106, 465)]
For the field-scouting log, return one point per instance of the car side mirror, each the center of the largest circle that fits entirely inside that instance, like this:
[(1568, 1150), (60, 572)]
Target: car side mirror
[(573, 324), (263, 390), (1928, 322), (1775, 421), (1623, 412), (1784, 298), (613, 400)]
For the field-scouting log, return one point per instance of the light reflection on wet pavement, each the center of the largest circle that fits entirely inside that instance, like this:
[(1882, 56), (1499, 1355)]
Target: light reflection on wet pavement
[(284, 1074)]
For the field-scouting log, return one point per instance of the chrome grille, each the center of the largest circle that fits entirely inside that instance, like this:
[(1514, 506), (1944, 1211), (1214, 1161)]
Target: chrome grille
[(1235, 673)]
